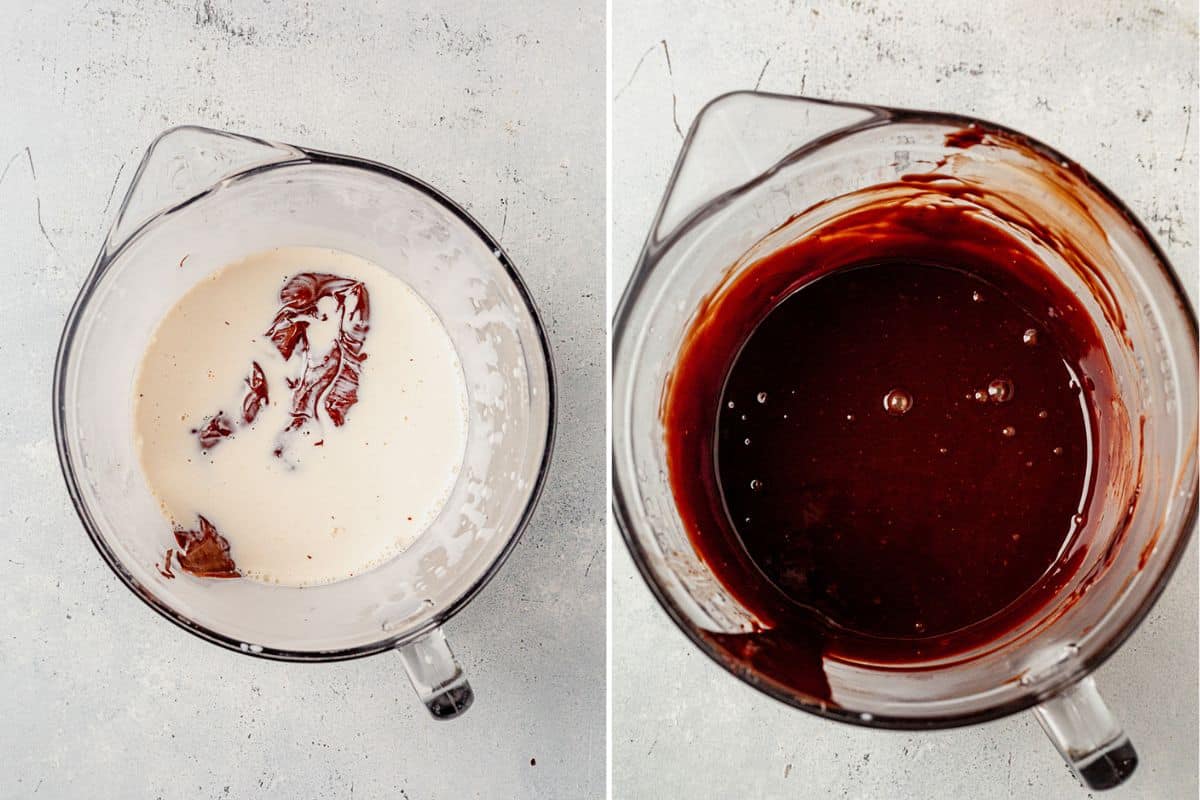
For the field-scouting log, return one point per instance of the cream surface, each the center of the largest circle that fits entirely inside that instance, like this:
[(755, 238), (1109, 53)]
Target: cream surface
[(336, 500)]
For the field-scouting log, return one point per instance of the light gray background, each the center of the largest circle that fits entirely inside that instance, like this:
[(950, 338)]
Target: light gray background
[(101, 698), (1111, 84)]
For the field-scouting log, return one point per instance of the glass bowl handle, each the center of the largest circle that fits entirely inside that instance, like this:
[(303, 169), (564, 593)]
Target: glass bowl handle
[(739, 136), (1088, 735), (436, 676), (182, 163)]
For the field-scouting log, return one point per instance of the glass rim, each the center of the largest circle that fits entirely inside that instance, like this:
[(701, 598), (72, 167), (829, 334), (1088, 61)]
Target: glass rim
[(63, 357), (651, 254)]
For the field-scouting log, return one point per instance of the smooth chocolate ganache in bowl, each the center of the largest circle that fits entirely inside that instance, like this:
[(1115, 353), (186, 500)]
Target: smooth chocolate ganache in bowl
[(889, 428)]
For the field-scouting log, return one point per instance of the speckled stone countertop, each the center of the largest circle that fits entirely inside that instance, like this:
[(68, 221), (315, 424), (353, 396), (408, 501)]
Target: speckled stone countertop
[(1111, 84), (502, 108)]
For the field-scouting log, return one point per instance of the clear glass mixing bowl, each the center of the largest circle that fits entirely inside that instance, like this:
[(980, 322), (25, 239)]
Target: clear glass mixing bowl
[(202, 199), (757, 171)]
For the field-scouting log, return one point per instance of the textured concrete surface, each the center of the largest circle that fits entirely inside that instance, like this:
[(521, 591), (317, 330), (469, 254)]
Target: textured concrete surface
[(500, 107), (1112, 84)]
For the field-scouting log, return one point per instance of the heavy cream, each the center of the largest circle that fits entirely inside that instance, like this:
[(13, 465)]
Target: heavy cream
[(306, 405)]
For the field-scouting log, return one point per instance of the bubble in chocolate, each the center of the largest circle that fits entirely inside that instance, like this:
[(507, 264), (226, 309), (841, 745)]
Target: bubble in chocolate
[(919, 627), (762, 397), (980, 396), (1000, 390), (897, 402), (1009, 431), (1043, 414), (976, 297), (1029, 337), (1058, 451), (756, 484), (746, 442), (730, 404)]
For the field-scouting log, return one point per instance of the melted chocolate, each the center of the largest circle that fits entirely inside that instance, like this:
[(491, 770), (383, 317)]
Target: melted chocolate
[(165, 569), (204, 553), (327, 380), (881, 437), (256, 396), (221, 426), (902, 449)]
